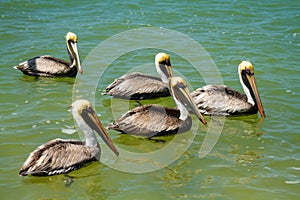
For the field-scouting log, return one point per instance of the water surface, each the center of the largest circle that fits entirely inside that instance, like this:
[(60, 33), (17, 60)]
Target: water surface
[(252, 159)]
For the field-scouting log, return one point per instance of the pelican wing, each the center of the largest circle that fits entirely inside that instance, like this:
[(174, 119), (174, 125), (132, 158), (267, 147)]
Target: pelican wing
[(58, 156), (45, 66), (151, 120), (137, 86), (220, 100)]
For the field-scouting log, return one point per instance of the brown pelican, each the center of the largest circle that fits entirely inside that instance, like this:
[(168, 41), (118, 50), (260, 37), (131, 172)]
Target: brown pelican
[(137, 86), (221, 100), (62, 156), (153, 120), (53, 67)]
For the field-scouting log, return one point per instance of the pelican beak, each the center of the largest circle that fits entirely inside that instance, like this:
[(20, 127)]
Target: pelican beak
[(166, 68), (251, 80), (182, 94), (76, 55), (90, 117)]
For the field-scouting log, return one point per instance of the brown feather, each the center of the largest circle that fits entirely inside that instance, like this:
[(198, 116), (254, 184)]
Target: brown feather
[(221, 100), (58, 156), (137, 86), (151, 120), (46, 66)]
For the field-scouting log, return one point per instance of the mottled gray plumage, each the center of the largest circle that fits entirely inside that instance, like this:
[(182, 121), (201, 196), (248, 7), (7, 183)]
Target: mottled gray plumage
[(47, 66), (137, 86), (221, 100), (62, 156), (59, 157), (151, 120)]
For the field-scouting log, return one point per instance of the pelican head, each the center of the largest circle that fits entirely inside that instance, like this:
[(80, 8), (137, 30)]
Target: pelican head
[(71, 40), (246, 75), (183, 99), (163, 66), (87, 119)]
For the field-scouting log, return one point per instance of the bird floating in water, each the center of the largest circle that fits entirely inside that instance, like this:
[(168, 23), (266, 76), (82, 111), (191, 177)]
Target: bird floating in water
[(49, 66), (62, 156), (138, 86), (221, 100), (154, 120)]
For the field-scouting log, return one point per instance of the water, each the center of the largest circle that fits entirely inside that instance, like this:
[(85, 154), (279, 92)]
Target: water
[(252, 159)]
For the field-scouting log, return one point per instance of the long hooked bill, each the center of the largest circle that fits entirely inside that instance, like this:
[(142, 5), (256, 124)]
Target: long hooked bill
[(166, 69), (76, 56), (252, 83), (90, 117), (183, 95)]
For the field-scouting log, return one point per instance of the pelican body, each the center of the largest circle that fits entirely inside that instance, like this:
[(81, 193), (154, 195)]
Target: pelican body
[(124, 88), (48, 66), (221, 100), (154, 120), (60, 156), (138, 86)]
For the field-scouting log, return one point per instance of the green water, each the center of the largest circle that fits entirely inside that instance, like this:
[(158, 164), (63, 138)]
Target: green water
[(252, 159)]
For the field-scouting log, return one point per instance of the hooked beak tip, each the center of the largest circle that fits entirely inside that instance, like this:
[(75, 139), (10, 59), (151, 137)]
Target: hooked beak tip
[(79, 69), (262, 114)]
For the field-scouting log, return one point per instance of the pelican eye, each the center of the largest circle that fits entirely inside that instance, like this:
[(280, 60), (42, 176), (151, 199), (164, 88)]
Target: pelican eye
[(87, 109), (72, 40), (181, 85), (165, 62), (248, 71)]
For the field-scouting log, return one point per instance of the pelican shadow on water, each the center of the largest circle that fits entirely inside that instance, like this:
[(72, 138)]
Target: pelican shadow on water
[(222, 100), (154, 120), (48, 66), (62, 156), (138, 86)]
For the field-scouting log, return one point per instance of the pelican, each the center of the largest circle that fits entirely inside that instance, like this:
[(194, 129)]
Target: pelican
[(62, 156), (48, 66), (221, 100), (154, 120), (138, 86)]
